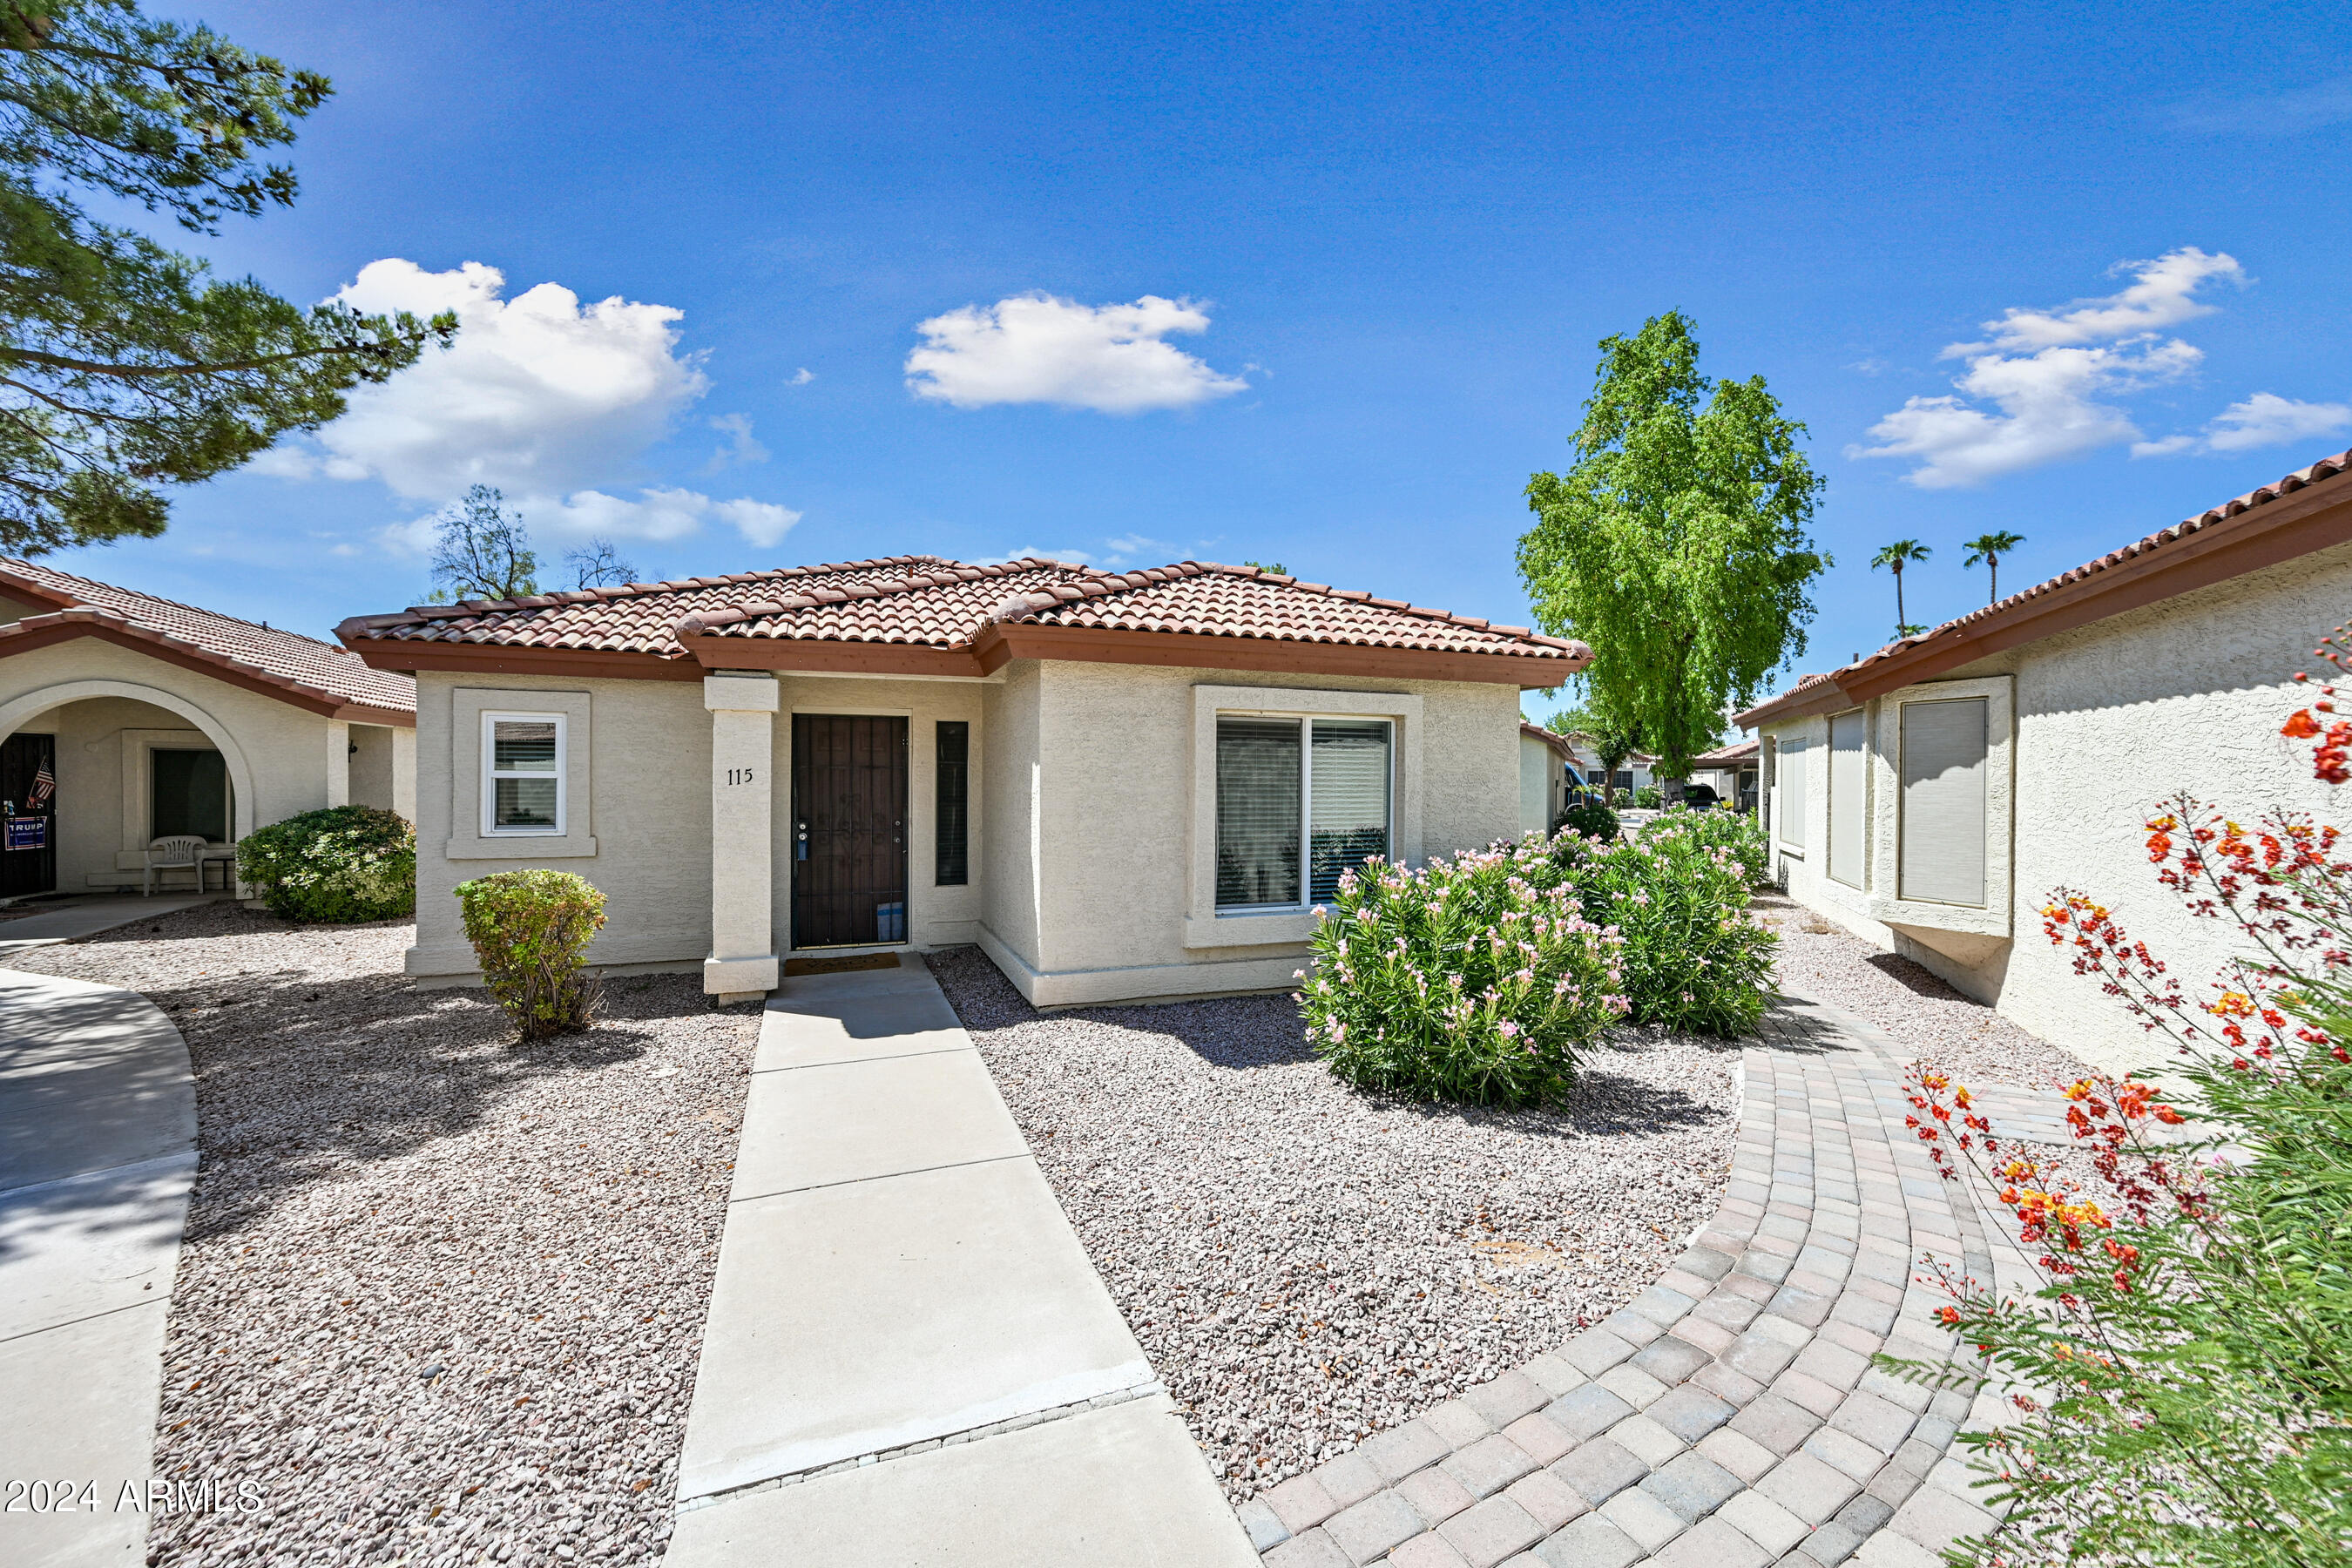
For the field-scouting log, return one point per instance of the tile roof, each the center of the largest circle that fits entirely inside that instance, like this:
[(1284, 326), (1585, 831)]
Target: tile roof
[(1558, 743), (926, 601), (1962, 627), (298, 665), (1728, 756)]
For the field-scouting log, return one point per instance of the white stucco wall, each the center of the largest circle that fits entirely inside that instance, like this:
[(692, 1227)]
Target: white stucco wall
[(276, 751), (1115, 821), (2111, 718), (647, 817), (372, 767)]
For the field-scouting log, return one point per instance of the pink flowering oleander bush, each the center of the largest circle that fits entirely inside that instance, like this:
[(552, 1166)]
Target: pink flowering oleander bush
[(1695, 959), (1741, 833), (1477, 980)]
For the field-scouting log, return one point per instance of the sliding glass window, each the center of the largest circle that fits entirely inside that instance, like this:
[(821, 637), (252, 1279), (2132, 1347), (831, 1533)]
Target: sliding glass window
[(1299, 802)]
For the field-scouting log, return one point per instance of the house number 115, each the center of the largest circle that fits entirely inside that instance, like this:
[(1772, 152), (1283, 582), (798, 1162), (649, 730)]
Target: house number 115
[(739, 776)]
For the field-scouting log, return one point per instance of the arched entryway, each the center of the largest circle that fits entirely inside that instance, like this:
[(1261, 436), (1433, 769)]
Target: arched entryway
[(125, 763)]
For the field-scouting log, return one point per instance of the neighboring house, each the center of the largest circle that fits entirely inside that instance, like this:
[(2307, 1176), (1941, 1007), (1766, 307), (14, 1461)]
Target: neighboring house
[(153, 718), (1730, 771), (1546, 778), (1633, 773), (1120, 785), (1933, 795)]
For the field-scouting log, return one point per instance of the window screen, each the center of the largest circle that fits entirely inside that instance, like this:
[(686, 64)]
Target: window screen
[(526, 773), (1258, 811), (1347, 798), (1788, 815), (1848, 794), (1943, 832), (952, 869), (188, 794)]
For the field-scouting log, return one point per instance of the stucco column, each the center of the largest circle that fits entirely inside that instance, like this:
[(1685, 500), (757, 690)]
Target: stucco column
[(339, 763), (743, 962)]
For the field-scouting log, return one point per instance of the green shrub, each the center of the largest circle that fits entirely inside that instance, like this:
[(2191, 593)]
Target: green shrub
[(344, 864), (1650, 797), (1694, 959), (1461, 981), (1590, 818), (1742, 834), (2188, 1349), (530, 929)]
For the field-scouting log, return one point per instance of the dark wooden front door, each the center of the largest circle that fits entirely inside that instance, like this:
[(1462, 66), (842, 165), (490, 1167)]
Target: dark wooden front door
[(849, 829), (29, 797)]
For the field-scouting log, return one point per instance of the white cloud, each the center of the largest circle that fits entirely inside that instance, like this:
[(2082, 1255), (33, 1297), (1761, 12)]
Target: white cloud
[(543, 397), (764, 523), (801, 377), (655, 515), (2289, 113), (741, 447), (2046, 373), (2161, 294), (1035, 348), (539, 394), (2265, 419)]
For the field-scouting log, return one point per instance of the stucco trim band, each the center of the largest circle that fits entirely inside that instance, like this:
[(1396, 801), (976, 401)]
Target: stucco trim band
[(1140, 983)]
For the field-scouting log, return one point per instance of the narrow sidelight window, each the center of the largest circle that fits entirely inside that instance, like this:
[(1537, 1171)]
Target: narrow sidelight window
[(953, 864), (1300, 802), (523, 772)]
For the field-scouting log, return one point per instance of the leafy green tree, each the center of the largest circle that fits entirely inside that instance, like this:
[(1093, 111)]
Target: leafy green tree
[(124, 364), (1987, 549), (481, 551), (1894, 557), (1676, 545), (1611, 741)]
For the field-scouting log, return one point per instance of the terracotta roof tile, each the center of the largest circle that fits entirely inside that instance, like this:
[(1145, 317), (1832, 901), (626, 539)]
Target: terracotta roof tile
[(302, 664), (2326, 467), (929, 602)]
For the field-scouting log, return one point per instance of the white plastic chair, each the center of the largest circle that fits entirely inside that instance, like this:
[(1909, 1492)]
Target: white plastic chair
[(174, 851)]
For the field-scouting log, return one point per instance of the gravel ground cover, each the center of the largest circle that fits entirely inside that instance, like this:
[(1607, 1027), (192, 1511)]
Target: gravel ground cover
[(1950, 1033), (442, 1296), (1306, 1265)]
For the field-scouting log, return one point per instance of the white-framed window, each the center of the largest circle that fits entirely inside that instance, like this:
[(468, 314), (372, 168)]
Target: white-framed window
[(1849, 784), (522, 773), (1942, 849), (1789, 807), (1300, 801)]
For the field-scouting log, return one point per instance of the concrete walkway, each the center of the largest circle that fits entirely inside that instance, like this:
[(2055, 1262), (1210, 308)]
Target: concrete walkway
[(65, 919), (909, 1360), (1729, 1418), (98, 1126)]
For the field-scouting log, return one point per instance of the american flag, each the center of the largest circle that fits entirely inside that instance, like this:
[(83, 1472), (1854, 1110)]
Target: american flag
[(44, 786)]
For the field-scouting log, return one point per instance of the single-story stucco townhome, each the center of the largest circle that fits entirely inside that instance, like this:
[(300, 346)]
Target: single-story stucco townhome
[(1546, 780), (125, 719), (1933, 795), (1121, 786)]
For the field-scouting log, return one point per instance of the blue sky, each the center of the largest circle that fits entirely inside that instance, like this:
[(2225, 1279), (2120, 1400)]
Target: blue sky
[(1356, 260)]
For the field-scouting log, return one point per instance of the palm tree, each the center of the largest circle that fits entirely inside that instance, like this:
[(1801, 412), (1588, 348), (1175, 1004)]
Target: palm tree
[(1896, 557), (1990, 548)]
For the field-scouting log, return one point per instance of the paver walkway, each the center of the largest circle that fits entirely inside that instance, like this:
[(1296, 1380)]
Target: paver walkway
[(909, 1360), (1728, 1416), (97, 1124)]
